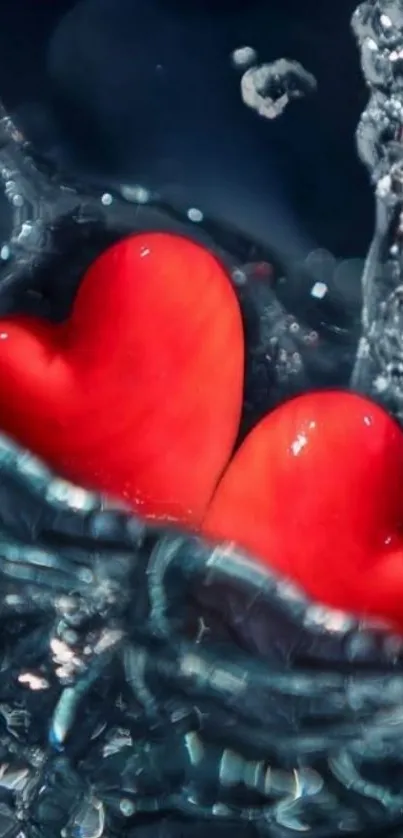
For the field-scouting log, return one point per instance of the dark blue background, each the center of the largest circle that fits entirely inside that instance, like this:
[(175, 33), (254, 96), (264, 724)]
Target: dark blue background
[(144, 90)]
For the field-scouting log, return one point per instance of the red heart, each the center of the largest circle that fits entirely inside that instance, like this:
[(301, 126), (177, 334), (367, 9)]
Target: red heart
[(139, 393), (316, 491)]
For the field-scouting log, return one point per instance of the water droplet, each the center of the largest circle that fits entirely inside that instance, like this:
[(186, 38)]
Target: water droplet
[(243, 56), (319, 290), (195, 214), (221, 810), (106, 199), (26, 230), (127, 807), (239, 276)]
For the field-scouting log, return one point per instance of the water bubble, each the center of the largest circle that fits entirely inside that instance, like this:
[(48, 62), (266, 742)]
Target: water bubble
[(127, 807), (195, 214), (239, 276), (243, 57)]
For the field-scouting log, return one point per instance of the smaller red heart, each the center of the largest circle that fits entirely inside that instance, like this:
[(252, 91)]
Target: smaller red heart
[(139, 393), (316, 492)]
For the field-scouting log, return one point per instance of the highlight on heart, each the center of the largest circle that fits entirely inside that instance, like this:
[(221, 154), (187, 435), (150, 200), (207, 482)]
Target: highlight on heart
[(139, 394)]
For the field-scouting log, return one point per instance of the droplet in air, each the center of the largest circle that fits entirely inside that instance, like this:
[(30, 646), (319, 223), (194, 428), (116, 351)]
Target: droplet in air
[(319, 290), (239, 276), (243, 57), (195, 214)]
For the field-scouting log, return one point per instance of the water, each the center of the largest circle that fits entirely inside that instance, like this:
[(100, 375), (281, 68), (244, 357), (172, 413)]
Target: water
[(153, 683)]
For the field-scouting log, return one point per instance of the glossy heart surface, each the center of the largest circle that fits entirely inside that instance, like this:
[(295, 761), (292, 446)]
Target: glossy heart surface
[(316, 492), (138, 394)]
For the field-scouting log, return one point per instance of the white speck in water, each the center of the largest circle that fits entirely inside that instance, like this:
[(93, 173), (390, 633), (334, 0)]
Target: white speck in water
[(145, 251), (17, 200), (34, 682), (371, 44), (381, 384), (106, 199), (195, 214), (5, 252), (384, 184), (66, 493), (386, 21), (243, 56), (135, 194), (319, 290), (239, 276), (299, 443), (220, 810), (368, 421), (26, 230), (127, 807)]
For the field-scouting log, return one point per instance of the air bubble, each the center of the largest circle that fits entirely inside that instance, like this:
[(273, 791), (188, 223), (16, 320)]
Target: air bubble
[(195, 214), (238, 276), (127, 807), (243, 57)]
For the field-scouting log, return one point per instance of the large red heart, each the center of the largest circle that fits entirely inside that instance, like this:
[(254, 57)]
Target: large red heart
[(316, 491), (139, 393)]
